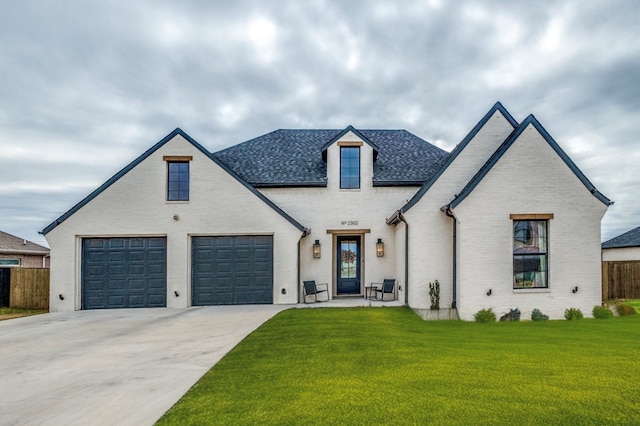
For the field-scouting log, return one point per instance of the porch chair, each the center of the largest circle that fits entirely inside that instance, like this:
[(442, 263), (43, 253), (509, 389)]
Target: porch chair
[(388, 287), (311, 288)]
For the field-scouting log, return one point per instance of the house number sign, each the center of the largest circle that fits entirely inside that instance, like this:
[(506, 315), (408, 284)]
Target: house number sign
[(349, 222)]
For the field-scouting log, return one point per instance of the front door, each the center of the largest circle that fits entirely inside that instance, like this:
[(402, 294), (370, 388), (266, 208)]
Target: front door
[(348, 265)]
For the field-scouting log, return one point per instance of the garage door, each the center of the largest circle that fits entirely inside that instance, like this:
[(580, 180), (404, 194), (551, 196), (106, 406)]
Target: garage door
[(232, 270), (124, 273)]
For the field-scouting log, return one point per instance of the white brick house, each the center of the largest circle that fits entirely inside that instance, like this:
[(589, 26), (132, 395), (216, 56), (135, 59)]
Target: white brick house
[(505, 220)]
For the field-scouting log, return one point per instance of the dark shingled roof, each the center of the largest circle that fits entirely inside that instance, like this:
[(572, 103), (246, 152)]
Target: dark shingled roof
[(289, 157), (628, 239)]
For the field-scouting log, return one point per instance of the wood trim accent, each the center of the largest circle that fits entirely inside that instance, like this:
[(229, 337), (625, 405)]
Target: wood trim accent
[(177, 158), (348, 231), (531, 216), (350, 143)]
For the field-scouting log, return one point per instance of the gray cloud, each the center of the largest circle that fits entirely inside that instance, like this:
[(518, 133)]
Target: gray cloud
[(88, 86)]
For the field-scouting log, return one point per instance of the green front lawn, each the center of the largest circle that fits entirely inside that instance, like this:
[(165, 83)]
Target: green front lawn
[(387, 366)]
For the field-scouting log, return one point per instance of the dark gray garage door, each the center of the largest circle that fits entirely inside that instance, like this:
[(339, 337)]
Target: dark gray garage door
[(124, 273), (232, 270)]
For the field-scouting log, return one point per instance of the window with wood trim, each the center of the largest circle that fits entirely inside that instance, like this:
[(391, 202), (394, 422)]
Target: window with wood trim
[(349, 167), (530, 254), (177, 181)]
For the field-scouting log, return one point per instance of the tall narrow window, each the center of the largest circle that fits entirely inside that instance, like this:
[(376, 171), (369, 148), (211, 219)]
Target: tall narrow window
[(178, 181), (530, 254), (349, 167)]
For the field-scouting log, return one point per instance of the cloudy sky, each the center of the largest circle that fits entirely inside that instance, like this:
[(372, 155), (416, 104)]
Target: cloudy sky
[(85, 87)]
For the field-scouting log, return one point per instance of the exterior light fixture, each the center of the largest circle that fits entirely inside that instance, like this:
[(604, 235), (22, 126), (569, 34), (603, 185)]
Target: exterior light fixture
[(380, 248), (316, 249), (574, 290)]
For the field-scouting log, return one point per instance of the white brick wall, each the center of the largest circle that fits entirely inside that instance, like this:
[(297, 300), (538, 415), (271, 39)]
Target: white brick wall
[(529, 178), (323, 209), (135, 206), (430, 234)]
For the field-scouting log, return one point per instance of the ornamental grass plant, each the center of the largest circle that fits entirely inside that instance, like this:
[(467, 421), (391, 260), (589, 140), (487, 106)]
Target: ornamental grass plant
[(387, 366)]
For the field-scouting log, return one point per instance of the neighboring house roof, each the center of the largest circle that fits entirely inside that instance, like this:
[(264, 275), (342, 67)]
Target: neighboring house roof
[(458, 149), (10, 244), (628, 239), (530, 120), (150, 151), (289, 157)]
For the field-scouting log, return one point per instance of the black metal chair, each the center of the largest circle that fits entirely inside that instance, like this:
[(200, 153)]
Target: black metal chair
[(311, 288), (388, 287)]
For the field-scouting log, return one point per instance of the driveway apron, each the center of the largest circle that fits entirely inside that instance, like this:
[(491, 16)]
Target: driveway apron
[(106, 367)]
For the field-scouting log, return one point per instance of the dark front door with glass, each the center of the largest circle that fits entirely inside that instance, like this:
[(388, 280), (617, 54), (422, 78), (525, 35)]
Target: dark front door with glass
[(348, 265)]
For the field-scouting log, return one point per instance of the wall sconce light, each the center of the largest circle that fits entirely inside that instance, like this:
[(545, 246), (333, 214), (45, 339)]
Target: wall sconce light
[(574, 290), (490, 292), (316, 249), (176, 293), (380, 248), (61, 297)]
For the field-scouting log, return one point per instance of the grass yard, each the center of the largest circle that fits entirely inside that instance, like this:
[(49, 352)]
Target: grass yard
[(9, 313), (387, 366)]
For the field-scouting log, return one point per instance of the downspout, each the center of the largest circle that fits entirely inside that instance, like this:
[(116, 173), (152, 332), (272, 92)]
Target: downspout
[(406, 257), (304, 234), (448, 212)]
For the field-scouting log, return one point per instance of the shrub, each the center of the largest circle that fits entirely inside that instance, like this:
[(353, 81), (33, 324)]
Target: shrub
[(512, 315), (625, 309), (485, 315), (573, 314), (434, 295), (536, 315), (601, 312)]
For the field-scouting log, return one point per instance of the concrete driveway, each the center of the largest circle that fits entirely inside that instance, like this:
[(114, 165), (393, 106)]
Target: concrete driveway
[(121, 366)]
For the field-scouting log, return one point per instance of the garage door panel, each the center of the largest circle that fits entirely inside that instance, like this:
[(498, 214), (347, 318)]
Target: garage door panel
[(224, 270), (123, 272)]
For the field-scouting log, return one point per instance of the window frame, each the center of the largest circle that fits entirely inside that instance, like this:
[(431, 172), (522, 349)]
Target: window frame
[(10, 262), (343, 169), (179, 195), (542, 253)]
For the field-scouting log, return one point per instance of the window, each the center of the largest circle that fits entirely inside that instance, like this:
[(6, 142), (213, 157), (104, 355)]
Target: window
[(530, 251), (9, 262), (349, 167), (178, 181)]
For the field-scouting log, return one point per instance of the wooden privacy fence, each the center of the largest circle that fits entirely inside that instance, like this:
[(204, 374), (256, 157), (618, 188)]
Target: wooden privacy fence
[(621, 280), (29, 288)]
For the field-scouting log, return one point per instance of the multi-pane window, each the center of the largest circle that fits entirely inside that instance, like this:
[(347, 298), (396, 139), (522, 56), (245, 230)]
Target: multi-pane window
[(530, 254), (349, 167), (178, 181)]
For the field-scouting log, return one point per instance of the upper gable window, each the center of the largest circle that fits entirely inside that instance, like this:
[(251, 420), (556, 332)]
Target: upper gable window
[(349, 167), (177, 178)]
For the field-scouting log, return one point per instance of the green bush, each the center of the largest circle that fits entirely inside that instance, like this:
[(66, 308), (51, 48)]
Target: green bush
[(485, 315), (601, 312), (536, 315), (573, 314), (625, 309)]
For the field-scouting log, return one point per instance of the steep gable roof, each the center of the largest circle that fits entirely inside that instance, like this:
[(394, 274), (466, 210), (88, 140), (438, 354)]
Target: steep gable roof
[(145, 155), (12, 244), (293, 157), (530, 120), (348, 129), (628, 239), (497, 107)]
